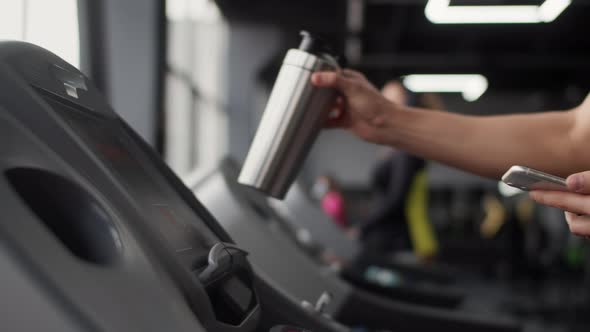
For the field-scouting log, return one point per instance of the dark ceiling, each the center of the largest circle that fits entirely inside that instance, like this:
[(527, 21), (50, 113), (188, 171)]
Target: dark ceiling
[(397, 39)]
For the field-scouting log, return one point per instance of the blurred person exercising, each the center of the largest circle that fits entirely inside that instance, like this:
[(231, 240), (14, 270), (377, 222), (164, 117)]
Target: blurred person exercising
[(327, 191), (554, 142), (400, 221)]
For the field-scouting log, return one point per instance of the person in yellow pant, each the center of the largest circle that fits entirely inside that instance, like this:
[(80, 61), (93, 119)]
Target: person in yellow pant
[(401, 220)]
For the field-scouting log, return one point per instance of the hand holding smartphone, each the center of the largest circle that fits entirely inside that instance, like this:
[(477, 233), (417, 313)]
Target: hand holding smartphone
[(529, 179)]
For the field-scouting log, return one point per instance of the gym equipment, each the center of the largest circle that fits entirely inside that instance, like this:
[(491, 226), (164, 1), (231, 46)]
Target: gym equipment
[(98, 234), (400, 280), (245, 214), (299, 210)]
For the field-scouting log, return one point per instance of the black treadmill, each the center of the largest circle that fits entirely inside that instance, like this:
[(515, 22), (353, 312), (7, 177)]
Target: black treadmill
[(98, 234)]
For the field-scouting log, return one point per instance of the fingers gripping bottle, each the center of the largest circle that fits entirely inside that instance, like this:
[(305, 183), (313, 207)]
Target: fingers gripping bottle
[(292, 119)]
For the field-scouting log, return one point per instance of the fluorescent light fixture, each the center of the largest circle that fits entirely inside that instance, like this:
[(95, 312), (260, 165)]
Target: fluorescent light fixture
[(471, 86), (440, 11), (551, 9)]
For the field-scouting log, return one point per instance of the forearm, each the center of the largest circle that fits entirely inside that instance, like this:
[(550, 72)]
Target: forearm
[(488, 145), (554, 142)]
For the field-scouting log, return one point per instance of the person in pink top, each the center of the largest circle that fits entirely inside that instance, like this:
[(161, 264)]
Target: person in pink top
[(332, 201)]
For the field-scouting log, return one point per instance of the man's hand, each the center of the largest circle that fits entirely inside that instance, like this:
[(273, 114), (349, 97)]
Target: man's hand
[(576, 203), (360, 107)]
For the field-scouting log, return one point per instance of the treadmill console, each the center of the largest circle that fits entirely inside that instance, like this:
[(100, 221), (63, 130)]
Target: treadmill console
[(116, 208), (185, 235)]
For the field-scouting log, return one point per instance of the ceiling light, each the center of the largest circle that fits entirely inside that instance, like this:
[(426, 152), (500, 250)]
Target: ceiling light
[(440, 11), (471, 86), (551, 9)]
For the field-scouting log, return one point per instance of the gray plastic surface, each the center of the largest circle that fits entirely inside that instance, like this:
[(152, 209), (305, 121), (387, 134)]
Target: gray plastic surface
[(132, 294), (300, 211), (26, 306), (272, 253), (276, 256), (42, 277)]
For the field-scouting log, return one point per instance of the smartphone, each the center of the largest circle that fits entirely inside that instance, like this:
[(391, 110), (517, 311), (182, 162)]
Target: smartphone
[(528, 179)]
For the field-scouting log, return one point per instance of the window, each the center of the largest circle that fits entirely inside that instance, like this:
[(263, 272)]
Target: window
[(196, 120), (50, 24)]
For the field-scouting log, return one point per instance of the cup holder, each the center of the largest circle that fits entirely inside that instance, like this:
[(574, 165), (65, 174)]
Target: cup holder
[(74, 216)]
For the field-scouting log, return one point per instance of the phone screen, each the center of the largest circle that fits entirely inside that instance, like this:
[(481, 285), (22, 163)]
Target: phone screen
[(529, 179)]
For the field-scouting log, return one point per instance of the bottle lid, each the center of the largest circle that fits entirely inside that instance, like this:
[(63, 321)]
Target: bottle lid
[(313, 44)]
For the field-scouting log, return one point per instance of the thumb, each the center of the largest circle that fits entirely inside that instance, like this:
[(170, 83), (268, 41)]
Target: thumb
[(331, 79), (579, 182)]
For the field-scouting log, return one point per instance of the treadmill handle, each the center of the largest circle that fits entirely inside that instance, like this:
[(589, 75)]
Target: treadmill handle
[(224, 259)]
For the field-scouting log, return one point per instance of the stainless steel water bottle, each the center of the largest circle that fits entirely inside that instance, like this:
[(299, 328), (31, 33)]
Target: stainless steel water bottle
[(294, 115)]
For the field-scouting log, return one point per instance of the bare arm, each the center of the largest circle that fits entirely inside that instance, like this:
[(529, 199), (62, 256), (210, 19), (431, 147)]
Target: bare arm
[(554, 142), (489, 145)]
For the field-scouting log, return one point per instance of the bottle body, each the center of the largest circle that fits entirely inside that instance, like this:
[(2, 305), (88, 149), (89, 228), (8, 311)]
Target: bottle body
[(292, 120)]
